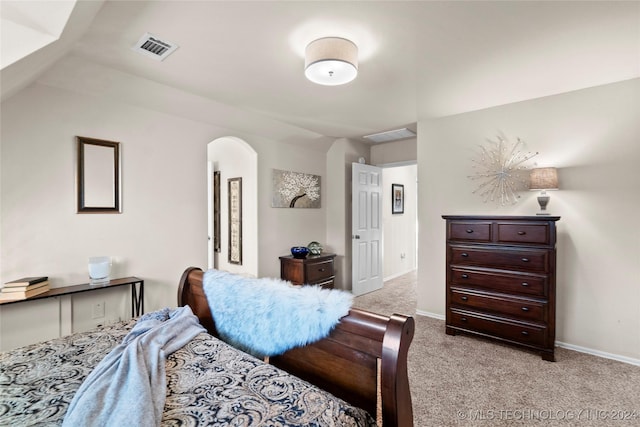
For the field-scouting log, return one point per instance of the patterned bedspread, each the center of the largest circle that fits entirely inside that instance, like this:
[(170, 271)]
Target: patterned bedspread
[(209, 383)]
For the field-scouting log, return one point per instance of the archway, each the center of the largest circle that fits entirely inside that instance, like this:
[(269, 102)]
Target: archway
[(233, 158)]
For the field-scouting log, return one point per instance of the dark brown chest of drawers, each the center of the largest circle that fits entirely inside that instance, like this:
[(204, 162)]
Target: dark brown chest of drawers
[(313, 270), (501, 279)]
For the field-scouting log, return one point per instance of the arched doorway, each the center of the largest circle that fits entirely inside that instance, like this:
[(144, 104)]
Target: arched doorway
[(233, 158)]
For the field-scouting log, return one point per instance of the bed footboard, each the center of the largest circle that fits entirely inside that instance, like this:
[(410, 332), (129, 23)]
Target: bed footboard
[(363, 361)]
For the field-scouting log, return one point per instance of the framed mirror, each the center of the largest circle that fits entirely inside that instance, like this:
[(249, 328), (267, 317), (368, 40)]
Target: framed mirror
[(98, 180)]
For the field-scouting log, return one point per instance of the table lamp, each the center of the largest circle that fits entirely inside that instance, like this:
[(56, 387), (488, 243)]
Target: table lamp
[(543, 179)]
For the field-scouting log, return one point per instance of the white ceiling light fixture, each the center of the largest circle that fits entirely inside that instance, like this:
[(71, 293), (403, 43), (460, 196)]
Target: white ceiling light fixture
[(331, 61)]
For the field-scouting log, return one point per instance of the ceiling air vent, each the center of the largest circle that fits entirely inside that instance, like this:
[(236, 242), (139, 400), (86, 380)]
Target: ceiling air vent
[(153, 47), (391, 135)]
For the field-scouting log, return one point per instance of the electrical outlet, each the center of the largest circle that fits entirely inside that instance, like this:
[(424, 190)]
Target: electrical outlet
[(98, 310)]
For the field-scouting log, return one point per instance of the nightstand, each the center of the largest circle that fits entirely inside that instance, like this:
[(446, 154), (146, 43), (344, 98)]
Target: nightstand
[(312, 270)]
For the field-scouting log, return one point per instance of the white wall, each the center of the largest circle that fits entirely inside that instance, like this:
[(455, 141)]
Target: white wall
[(394, 152), (163, 227), (340, 156), (592, 136), (400, 230)]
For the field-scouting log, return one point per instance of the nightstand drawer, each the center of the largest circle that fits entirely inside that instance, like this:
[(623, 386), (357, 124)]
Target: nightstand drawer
[(318, 270), (523, 233), (497, 327), (529, 260), (471, 231), (528, 284), (501, 305)]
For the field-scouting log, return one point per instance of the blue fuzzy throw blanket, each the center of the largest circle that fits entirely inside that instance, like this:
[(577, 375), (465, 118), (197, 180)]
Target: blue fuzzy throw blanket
[(267, 317)]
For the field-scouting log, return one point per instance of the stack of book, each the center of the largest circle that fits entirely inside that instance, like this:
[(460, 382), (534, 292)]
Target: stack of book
[(24, 288)]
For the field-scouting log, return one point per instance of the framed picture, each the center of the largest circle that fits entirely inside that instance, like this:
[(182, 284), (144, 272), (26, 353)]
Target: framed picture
[(216, 212), (235, 220), (295, 190), (397, 198)]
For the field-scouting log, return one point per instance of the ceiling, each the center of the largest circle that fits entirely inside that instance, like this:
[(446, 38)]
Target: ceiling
[(418, 60)]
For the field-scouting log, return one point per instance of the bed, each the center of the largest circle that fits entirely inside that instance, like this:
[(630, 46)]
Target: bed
[(355, 376)]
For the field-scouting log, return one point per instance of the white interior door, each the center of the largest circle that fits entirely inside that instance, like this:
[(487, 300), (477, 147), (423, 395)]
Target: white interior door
[(366, 228)]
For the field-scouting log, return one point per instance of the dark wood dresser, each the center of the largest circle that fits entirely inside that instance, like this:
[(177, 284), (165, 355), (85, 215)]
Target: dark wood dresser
[(312, 270), (501, 279)]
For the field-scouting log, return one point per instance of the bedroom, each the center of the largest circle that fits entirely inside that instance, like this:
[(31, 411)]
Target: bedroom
[(577, 106)]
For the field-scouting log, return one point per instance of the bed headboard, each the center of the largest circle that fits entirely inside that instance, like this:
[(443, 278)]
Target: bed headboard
[(362, 361)]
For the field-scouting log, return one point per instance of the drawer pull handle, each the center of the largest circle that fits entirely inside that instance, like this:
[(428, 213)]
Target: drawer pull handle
[(525, 284), (464, 319), (465, 276), (321, 270), (525, 259), (525, 333), (525, 308), (469, 230), (464, 298), (464, 254), (521, 233)]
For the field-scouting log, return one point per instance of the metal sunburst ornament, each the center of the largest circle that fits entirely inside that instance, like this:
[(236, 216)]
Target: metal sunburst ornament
[(501, 171)]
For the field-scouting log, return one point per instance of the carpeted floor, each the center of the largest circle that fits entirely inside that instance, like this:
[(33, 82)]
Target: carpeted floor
[(468, 381)]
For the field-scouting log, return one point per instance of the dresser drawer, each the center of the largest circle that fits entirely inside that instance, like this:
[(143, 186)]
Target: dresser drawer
[(318, 271), (470, 231), (523, 283), (497, 327), (513, 307), (523, 233), (529, 259)]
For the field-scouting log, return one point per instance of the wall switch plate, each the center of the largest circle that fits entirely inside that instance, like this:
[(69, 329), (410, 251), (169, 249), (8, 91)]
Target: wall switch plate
[(98, 310)]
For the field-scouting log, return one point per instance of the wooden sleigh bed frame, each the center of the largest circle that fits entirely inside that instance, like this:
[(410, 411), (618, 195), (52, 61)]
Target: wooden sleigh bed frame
[(363, 361)]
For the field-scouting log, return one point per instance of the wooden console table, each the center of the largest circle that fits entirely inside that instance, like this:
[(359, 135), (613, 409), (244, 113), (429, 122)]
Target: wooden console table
[(137, 292)]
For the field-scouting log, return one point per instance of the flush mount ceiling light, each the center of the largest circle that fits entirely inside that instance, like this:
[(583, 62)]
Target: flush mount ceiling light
[(331, 61)]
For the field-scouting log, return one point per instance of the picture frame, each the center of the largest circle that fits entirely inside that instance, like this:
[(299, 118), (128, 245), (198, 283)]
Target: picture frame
[(235, 220), (397, 199), (295, 190), (98, 176), (217, 247)]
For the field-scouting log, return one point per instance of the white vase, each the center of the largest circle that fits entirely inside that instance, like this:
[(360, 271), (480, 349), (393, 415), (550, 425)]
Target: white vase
[(99, 269)]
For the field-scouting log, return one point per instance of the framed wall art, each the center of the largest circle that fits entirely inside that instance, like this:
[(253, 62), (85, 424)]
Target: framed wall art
[(216, 212), (397, 198), (98, 176), (235, 220), (295, 190)]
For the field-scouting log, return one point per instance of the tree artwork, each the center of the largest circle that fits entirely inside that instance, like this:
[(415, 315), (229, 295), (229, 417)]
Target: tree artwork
[(295, 189)]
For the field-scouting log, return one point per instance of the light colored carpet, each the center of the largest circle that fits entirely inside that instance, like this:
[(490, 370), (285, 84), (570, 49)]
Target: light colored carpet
[(469, 381)]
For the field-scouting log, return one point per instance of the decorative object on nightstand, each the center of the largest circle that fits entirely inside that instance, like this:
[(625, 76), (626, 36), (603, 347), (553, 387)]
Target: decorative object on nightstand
[(314, 270), (543, 179), (315, 248), (299, 252), (501, 279)]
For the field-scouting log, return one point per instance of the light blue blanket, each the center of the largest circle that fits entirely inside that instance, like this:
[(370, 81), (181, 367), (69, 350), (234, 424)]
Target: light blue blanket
[(266, 317), (128, 386)]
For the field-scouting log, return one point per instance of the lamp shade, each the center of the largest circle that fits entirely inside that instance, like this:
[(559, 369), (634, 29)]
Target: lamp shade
[(331, 61), (543, 179)]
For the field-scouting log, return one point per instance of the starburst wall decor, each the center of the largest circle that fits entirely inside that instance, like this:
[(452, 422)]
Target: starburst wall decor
[(500, 171)]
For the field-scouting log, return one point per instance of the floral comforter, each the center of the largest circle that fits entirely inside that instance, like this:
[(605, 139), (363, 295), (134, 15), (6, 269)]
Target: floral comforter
[(209, 383)]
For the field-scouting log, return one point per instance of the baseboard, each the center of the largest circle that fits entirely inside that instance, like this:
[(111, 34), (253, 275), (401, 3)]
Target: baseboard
[(599, 353), (429, 314), (578, 348), (393, 276)]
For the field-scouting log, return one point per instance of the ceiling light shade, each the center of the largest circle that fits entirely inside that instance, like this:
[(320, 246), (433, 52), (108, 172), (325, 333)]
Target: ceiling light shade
[(331, 61)]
